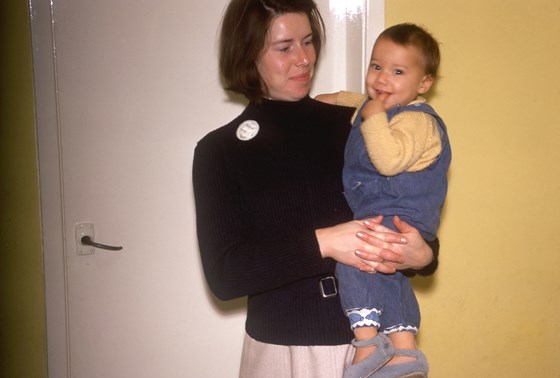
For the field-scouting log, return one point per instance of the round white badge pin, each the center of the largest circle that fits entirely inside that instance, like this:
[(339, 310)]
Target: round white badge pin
[(247, 130)]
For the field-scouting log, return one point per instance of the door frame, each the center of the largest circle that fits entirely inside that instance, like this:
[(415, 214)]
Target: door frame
[(51, 189)]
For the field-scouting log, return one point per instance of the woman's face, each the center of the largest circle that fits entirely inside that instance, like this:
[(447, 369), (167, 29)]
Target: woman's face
[(288, 59)]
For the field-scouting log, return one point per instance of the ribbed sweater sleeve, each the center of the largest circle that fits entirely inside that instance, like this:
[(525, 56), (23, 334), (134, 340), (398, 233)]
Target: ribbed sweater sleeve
[(259, 202), (237, 260)]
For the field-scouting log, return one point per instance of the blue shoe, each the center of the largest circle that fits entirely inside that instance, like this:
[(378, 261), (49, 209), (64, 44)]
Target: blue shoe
[(412, 369), (383, 353)]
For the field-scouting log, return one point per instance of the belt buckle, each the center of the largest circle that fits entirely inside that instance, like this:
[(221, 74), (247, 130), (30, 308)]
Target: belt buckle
[(328, 287)]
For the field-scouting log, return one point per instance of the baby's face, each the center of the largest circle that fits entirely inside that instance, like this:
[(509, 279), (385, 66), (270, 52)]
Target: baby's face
[(397, 71)]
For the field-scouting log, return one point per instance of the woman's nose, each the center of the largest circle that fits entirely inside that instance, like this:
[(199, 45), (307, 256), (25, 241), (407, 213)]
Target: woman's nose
[(302, 56)]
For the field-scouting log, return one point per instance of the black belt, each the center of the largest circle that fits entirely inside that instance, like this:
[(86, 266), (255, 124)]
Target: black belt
[(325, 286)]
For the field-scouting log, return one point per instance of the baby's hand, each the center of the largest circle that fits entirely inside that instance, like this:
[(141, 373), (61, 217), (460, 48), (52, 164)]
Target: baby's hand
[(374, 106)]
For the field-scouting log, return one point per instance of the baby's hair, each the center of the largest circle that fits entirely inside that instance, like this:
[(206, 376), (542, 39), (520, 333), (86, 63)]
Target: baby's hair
[(408, 34)]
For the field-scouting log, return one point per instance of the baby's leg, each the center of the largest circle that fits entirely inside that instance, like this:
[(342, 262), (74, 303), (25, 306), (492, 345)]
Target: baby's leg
[(402, 340), (363, 334), (360, 296)]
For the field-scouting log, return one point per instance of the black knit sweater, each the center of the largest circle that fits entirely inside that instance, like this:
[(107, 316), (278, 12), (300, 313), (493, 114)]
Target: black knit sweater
[(258, 204)]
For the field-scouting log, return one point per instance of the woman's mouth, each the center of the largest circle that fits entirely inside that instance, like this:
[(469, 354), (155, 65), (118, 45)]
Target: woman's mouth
[(302, 77)]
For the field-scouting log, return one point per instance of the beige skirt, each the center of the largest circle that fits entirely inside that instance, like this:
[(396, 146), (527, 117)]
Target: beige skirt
[(261, 360)]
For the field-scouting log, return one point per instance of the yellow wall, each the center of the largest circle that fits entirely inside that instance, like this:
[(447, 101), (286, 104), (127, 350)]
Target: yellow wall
[(22, 307), (492, 309)]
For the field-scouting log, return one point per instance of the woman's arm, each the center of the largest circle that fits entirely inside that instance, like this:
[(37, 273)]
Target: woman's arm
[(246, 249), (344, 244), (380, 249), (415, 255)]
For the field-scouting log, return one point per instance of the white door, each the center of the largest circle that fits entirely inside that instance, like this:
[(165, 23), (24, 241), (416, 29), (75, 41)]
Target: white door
[(124, 90)]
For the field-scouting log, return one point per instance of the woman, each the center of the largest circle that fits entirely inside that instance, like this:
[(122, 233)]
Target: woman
[(271, 217)]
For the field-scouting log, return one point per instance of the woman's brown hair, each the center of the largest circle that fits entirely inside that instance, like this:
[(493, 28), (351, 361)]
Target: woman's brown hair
[(243, 35)]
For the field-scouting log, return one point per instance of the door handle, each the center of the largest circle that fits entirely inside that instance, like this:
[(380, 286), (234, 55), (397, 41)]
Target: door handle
[(85, 240)]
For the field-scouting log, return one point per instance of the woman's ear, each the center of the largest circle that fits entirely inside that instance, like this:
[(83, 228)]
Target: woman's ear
[(425, 84)]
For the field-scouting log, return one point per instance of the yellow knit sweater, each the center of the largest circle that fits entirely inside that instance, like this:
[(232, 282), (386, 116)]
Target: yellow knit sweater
[(409, 143)]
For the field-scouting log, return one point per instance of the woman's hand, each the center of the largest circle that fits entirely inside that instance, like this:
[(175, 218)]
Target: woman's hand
[(409, 245), (365, 245), (372, 247), (341, 243)]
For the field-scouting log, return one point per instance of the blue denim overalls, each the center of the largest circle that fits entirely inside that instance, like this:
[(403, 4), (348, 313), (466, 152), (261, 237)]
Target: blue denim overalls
[(380, 300)]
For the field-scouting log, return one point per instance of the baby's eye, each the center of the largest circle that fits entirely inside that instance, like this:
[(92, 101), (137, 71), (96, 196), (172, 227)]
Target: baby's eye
[(375, 66), (398, 72)]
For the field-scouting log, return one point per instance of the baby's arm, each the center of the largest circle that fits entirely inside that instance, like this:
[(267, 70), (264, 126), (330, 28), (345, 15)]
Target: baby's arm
[(410, 143), (343, 98), (329, 98)]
